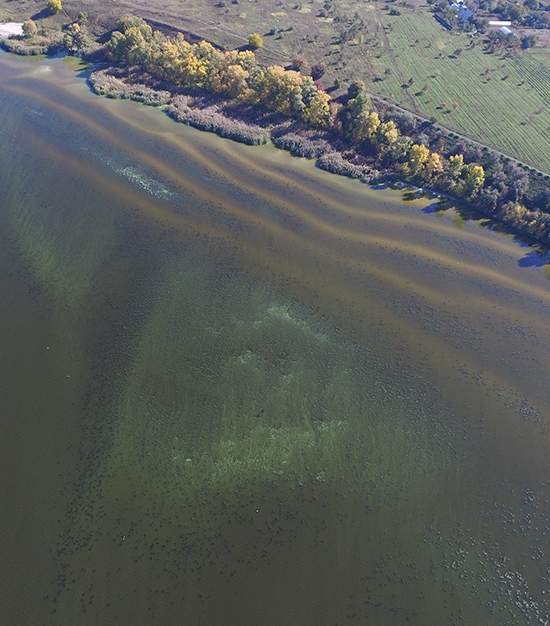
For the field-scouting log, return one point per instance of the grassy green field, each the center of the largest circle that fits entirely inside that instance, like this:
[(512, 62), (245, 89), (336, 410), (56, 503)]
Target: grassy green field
[(500, 102)]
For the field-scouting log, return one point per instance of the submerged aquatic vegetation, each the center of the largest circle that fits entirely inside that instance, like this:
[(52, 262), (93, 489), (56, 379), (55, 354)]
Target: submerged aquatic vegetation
[(232, 439), (243, 434), (64, 267), (236, 398)]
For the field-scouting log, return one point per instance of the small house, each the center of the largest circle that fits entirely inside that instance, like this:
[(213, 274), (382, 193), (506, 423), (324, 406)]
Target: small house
[(463, 13)]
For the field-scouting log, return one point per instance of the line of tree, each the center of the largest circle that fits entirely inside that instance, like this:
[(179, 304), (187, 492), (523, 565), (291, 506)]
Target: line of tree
[(492, 183), (363, 127), (236, 74), (239, 75), (483, 178)]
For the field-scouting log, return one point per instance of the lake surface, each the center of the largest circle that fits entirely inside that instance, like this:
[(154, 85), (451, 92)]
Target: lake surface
[(237, 390)]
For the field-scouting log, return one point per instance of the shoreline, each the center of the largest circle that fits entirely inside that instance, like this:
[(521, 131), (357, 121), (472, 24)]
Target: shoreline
[(254, 125), (251, 125)]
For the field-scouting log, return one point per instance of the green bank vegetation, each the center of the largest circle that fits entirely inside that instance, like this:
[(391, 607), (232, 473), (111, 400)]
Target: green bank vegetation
[(498, 98), (351, 135), (482, 178), (236, 74), (485, 91)]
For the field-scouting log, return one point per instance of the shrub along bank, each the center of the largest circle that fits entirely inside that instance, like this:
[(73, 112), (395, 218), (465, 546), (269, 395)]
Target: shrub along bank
[(232, 94), (373, 138)]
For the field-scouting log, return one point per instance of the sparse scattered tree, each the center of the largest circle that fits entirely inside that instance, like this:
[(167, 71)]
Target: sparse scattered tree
[(300, 64), (255, 40), (356, 88), (528, 41)]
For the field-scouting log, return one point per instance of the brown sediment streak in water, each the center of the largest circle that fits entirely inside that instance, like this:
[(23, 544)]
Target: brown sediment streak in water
[(315, 282), (372, 214), (131, 198), (405, 285), (417, 250), (177, 177), (363, 215), (385, 275)]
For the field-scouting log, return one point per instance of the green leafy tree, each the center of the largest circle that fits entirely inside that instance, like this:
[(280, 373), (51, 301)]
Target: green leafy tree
[(77, 39), (359, 122), (399, 149), (131, 42)]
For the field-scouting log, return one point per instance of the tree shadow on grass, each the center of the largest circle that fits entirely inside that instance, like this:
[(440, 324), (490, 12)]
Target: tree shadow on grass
[(42, 14), (85, 72)]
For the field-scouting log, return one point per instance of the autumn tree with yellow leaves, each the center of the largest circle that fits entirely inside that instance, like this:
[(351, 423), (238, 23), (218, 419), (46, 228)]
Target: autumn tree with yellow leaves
[(474, 177), (55, 6), (30, 29), (417, 159), (238, 75), (387, 133), (235, 73), (255, 40)]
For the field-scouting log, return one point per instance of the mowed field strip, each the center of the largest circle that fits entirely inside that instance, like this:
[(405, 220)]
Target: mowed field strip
[(502, 102)]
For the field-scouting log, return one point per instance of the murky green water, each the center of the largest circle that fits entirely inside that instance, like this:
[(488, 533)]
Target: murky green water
[(237, 390)]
